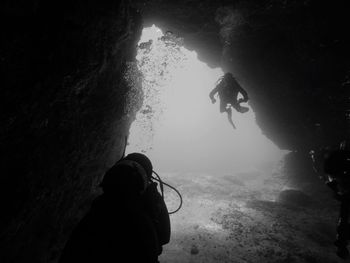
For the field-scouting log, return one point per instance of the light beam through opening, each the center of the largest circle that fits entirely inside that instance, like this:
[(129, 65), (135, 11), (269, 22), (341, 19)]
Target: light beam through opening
[(178, 127)]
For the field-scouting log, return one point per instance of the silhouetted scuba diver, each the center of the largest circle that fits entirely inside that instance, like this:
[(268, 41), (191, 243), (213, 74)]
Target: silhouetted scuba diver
[(129, 222), (337, 167), (228, 89)]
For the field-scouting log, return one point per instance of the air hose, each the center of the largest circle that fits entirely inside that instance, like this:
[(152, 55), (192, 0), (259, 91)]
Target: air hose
[(161, 185), (158, 179)]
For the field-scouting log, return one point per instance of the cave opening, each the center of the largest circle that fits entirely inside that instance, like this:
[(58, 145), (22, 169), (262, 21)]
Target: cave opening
[(178, 127), (194, 148)]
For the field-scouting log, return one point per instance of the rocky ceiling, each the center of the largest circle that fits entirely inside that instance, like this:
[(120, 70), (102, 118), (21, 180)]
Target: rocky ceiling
[(65, 107), (291, 56)]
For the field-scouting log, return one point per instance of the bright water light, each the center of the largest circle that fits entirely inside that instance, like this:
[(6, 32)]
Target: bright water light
[(178, 127)]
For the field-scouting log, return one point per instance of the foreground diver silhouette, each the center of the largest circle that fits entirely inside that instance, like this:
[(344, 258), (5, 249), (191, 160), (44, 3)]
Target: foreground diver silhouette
[(228, 89), (337, 167), (129, 222)]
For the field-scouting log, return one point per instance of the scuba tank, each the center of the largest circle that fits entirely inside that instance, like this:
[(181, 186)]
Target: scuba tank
[(158, 212)]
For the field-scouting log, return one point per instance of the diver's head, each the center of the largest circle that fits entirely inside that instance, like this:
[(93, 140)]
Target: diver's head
[(130, 175), (337, 167), (228, 75)]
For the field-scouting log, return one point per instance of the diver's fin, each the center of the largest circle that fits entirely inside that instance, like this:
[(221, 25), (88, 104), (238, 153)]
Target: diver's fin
[(229, 117)]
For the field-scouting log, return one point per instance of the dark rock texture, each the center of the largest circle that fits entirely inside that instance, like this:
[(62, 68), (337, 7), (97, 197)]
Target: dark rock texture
[(64, 115), (291, 56), (294, 198)]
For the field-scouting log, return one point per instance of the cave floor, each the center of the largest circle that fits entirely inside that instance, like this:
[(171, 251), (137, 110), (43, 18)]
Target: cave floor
[(235, 218)]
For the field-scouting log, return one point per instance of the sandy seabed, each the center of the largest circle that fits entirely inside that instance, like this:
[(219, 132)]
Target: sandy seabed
[(244, 218)]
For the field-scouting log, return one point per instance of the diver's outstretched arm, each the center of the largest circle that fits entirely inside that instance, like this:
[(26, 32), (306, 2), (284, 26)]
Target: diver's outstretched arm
[(244, 94)]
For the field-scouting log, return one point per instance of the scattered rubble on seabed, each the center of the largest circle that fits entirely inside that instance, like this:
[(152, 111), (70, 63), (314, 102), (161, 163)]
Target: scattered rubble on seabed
[(232, 218)]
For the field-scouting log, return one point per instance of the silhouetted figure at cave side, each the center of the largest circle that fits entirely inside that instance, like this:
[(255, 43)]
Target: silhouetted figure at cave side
[(337, 167), (129, 222), (228, 89)]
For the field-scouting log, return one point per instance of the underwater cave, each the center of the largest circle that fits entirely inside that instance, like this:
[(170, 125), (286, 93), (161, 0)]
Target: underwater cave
[(86, 82)]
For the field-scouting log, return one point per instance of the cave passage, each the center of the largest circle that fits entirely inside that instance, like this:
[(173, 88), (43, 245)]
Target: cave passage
[(178, 127), (231, 180)]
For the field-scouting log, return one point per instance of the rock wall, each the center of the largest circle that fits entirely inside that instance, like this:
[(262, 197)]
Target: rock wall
[(64, 115), (291, 56)]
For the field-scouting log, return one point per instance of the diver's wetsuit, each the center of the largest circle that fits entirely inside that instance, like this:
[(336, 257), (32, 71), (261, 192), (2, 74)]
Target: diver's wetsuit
[(228, 89)]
